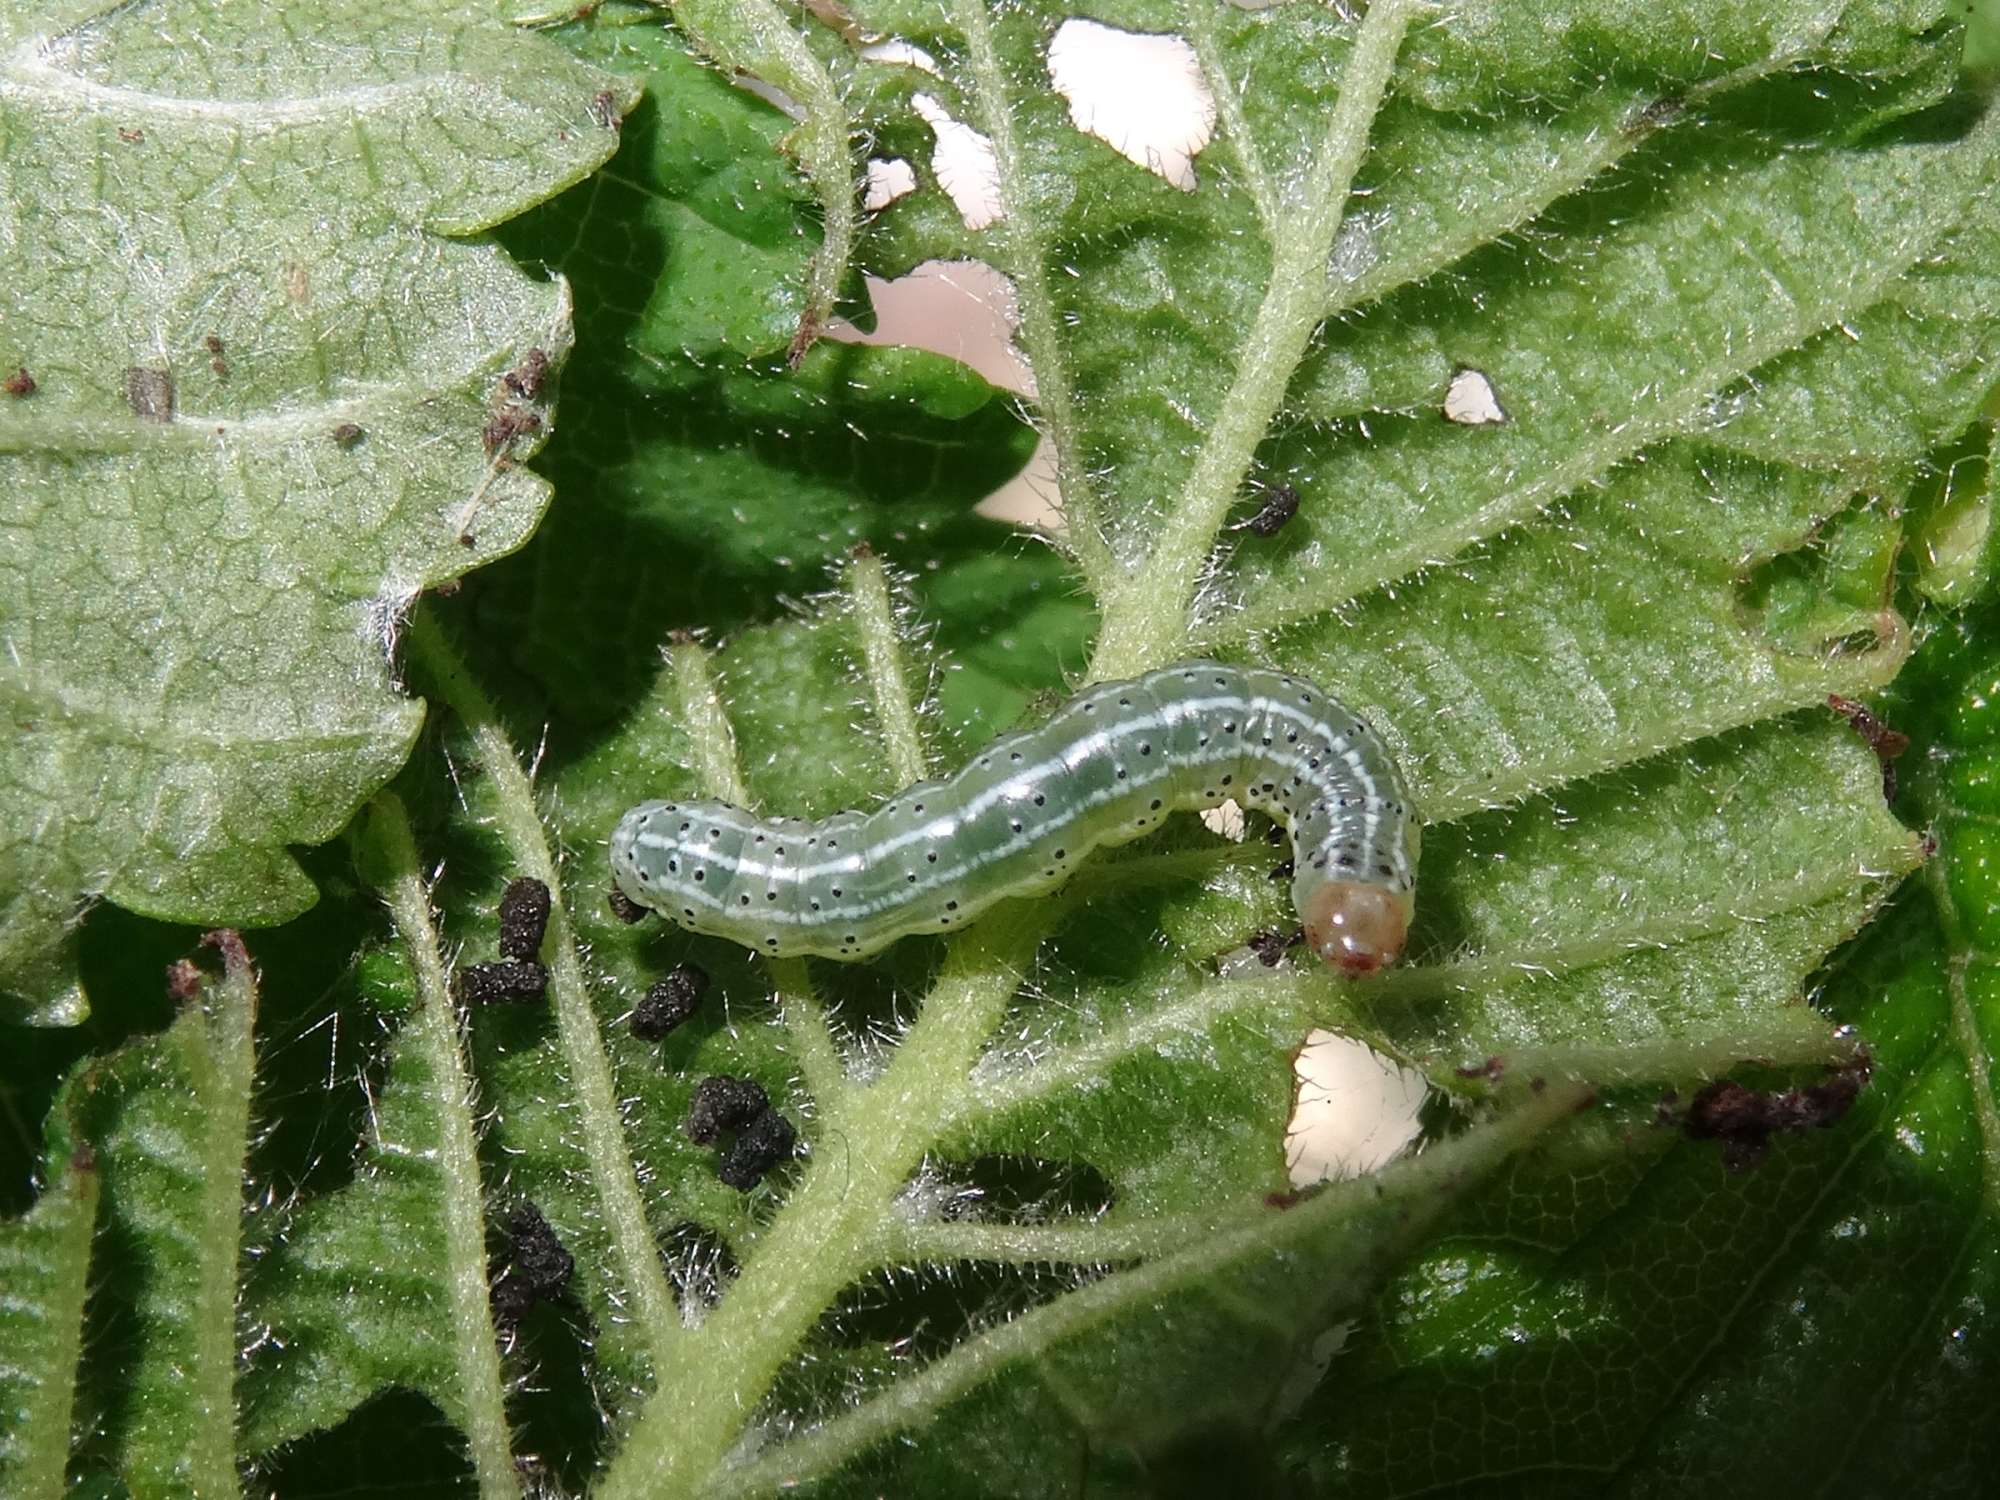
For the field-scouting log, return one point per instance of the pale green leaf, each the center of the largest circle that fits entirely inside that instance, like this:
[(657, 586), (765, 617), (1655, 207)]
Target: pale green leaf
[(260, 382), (168, 1118), (45, 1269)]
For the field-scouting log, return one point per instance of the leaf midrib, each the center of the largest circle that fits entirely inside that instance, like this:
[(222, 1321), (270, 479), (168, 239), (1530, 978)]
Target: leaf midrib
[(32, 75), (163, 730)]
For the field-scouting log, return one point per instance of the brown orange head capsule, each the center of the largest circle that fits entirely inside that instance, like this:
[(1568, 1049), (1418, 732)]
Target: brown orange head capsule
[(1359, 929)]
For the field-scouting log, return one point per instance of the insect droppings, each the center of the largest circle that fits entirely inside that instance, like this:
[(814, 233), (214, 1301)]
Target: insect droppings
[(669, 1003), (524, 917)]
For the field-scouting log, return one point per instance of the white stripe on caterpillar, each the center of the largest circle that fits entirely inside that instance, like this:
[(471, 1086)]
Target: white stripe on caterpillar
[(1108, 766)]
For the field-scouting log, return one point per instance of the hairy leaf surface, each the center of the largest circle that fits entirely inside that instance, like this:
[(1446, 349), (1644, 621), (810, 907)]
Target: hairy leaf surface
[(259, 381), (1734, 304)]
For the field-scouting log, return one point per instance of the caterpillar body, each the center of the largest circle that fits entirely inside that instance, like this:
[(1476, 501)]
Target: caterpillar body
[(1111, 764)]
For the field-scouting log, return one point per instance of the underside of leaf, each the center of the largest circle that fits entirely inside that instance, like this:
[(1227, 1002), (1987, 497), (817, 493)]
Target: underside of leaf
[(268, 407), (1598, 403)]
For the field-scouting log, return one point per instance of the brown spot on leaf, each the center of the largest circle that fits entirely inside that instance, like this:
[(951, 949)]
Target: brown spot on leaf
[(1887, 743), (527, 379), (807, 335), (229, 943), (183, 980), (506, 426), (150, 393), (20, 383), (1655, 115), (1745, 1119)]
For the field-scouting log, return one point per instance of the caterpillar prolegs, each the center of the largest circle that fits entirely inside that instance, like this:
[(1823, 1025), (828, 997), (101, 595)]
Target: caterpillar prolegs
[(1111, 764)]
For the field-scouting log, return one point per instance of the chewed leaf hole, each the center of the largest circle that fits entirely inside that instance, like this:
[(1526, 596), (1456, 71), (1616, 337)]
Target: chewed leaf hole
[(889, 178), (898, 53), (964, 165), (1011, 1187), (1142, 95), (1355, 1111)]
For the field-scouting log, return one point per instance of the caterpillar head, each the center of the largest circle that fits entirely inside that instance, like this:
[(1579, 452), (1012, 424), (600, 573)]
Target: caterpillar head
[(1357, 928)]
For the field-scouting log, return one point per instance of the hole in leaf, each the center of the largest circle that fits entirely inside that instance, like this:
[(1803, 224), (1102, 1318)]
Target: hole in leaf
[(1143, 95), (964, 165), (1355, 1112)]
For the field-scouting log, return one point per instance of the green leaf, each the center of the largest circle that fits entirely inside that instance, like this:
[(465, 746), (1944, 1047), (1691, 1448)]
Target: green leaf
[(45, 1268), (700, 480), (1206, 1333), (260, 381), (1652, 928), (408, 1231), (1952, 534), (1729, 275), (1653, 1330), (1678, 296), (169, 1119), (1618, 592)]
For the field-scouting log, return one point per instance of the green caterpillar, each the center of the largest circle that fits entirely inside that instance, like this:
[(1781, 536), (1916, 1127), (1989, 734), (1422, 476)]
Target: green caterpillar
[(1110, 765)]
